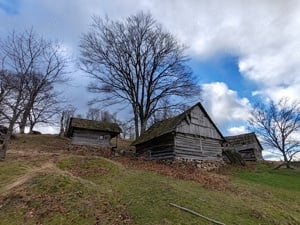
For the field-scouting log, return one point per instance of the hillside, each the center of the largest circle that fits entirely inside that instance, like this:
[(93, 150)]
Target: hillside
[(43, 181)]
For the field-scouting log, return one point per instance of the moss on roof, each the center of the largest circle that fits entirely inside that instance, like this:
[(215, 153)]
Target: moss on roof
[(94, 125), (246, 138), (169, 125), (159, 128)]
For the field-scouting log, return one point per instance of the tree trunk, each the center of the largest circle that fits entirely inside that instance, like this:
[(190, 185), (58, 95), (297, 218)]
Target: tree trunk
[(4, 146), (136, 120), (287, 164), (23, 124), (6, 140), (136, 125), (143, 126), (31, 128), (286, 161), (62, 130)]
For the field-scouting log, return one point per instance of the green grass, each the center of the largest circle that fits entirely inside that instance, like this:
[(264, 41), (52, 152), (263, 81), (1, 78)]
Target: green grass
[(150, 195), (95, 169), (91, 189), (87, 190), (12, 170), (287, 179), (51, 198)]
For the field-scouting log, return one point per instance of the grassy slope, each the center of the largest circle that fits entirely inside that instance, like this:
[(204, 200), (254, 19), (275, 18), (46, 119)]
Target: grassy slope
[(74, 189)]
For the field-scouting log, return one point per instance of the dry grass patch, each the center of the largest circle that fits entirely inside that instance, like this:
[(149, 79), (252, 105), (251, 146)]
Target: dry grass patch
[(209, 180)]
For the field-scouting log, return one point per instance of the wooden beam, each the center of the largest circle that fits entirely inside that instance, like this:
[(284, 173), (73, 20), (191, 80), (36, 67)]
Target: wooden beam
[(196, 214)]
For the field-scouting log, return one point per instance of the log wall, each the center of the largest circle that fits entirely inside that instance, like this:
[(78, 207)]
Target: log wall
[(159, 148), (197, 147), (195, 137), (89, 137), (247, 146)]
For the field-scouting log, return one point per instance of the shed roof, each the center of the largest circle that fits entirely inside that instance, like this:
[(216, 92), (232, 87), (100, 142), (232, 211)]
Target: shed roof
[(246, 138), (169, 125), (94, 125)]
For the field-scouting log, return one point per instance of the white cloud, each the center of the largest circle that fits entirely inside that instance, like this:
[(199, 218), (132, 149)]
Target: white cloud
[(276, 93), (237, 130), (270, 156), (263, 34), (223, 104)]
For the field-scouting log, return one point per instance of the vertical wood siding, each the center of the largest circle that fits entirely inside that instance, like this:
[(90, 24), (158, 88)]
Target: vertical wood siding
[(198, 124)]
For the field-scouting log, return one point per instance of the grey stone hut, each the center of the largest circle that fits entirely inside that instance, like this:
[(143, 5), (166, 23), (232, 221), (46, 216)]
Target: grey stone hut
[(247, 145), (190, 135), (90, 132)]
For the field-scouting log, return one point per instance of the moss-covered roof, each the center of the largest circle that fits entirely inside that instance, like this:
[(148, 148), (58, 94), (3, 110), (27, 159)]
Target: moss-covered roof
[(94, 125), (159, 128), (246, 138), (166, 126)]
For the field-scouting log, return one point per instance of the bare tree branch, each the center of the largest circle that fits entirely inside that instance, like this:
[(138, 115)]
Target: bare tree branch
[(137, 62), (31, 66), (277, 124)]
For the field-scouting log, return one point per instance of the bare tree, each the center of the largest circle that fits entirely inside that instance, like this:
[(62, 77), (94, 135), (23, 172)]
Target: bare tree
[(108, 117), (93, 114), (4, 91), (66, 114), (135, 62), (101, 115), (31, 65), (12, 104), (36, 58), (127, 129), (44, 110), (166, 110), (277, 124)]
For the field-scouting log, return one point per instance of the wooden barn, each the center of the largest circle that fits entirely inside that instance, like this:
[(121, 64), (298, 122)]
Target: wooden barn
[(90, 132), (190, 135), (247, 145)]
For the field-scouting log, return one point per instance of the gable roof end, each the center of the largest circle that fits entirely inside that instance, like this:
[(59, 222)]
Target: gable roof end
[(243, 137), (169, 125)]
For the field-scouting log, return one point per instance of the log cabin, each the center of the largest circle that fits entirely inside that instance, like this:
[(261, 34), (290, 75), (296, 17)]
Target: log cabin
[(190, 135), (247, 145), (91, 132)]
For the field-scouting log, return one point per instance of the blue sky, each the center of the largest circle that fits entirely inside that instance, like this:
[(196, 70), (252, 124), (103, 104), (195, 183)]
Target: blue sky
[(9, 6), (240, 51), (223, 68)]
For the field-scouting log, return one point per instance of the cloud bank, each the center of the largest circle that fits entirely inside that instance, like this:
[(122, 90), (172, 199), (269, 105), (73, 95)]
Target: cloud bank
[(223, 104), (262, 34)]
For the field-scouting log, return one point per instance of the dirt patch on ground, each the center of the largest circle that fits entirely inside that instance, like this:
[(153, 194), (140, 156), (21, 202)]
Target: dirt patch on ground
[(22, 179), (210, 180)]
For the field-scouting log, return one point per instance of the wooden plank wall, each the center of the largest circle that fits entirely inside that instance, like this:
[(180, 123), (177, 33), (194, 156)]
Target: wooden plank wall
[(87, 137), (247, 146), (159, 148), (197, 147), (194, 138), (198, 124)]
